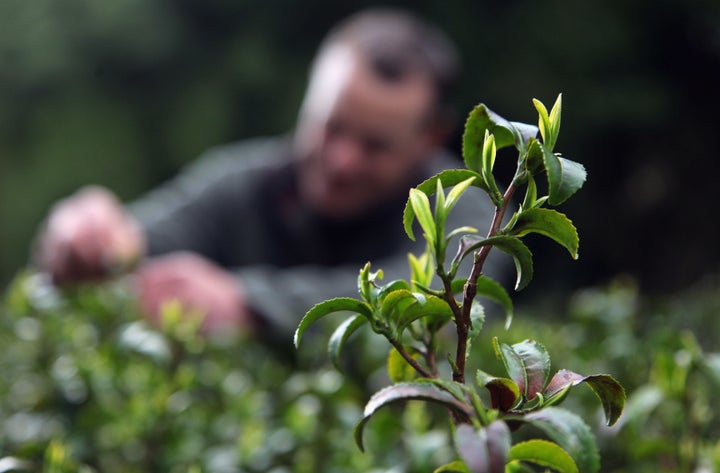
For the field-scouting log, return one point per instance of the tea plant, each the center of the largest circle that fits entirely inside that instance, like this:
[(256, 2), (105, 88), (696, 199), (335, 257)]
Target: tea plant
[(411, 313)]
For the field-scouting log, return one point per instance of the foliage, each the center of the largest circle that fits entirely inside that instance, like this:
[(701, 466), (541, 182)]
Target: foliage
[(88, 385), (410, 314), (669, 423), (665, 351)]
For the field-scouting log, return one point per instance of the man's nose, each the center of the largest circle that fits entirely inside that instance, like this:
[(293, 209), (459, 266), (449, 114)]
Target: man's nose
[(345, 156)]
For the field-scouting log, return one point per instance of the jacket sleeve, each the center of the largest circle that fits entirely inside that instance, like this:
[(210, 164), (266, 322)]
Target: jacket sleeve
[(186, 212)]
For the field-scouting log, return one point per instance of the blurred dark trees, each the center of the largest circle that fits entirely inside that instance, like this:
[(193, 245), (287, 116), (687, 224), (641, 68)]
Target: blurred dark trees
[(123, 93)]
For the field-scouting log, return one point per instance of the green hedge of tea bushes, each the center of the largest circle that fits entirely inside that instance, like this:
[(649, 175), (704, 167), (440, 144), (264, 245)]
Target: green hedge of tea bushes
[(88, 385), (83, 369)]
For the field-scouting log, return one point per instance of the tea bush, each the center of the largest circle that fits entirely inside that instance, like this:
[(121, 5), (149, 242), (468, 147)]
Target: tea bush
[(83, 370), (666, 352)]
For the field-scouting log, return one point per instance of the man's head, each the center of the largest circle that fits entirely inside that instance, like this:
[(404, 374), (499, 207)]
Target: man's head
[(374, 111)]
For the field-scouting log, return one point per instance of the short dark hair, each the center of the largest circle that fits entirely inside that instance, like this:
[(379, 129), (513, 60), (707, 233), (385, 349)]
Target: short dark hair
[(397, 45)]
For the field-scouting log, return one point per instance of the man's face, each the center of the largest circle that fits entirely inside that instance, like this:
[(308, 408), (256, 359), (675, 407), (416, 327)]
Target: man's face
[(360, 139)]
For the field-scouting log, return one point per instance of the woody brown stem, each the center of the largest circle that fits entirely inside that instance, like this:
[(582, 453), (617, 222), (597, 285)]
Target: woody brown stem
[(470, 290), (412, 361)]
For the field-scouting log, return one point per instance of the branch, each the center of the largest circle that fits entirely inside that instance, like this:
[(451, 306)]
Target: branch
[(470, 290), (450, 297), (430, 354), (412, 361)]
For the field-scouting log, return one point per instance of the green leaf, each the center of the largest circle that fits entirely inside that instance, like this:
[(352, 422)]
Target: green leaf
[(367, 283), (565, 177), (453, 387), (491, 289), (459, 230), (544, 123), (477, 320), (328, 307), (396, 285), (528, 364), (483, 450), (421, 207), (506, 133), (549, 124), (504, 392), (437, 322), (430, 306), (394, 302), (510, 245), (523, 133), (458, 285), (399, 370), (421, 268), (515, 466), (489, 152), (530, 194), (454, 467), (570, 432), (441, 212), (543, 453), (448, 178), (457, 191), (405, 392), (550, 223), (428, 290), (534, 161), (608, 390), (555, 115), (477, 124), (340, 336), (488, 161)]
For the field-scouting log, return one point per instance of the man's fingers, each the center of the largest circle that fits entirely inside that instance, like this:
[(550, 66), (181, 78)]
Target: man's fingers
[(87, 236), (197, 284)]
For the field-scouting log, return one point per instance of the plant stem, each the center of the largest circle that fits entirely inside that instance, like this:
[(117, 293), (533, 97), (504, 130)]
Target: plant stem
[(450, 298), (412, 361), (430, 355), (470, 290)]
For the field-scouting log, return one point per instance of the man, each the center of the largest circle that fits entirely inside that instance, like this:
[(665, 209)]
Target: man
[(258, 232)]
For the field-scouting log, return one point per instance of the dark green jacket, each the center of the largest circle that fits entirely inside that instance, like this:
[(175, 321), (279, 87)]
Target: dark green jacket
[(238, 206)]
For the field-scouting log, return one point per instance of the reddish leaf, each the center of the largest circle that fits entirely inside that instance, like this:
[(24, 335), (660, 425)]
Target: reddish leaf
[(405, 392), (483, 450), (607, 389)]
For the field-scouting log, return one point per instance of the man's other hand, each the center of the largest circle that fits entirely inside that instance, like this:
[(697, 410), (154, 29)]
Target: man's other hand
[(198, 285), (88, 236)]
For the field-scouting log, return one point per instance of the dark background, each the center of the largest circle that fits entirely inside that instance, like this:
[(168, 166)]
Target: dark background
[(124, 92)]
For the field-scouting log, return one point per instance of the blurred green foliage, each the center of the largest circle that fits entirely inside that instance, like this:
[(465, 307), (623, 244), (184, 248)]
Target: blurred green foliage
[(86, 380), (666, 353), (124, 93), (83, 373)]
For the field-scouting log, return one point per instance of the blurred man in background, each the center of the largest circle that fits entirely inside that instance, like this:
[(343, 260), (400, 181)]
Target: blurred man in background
[(256, 233)]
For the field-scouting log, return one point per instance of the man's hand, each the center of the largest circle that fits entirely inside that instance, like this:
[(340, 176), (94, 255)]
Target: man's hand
[(197, 284), (88, 236)]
